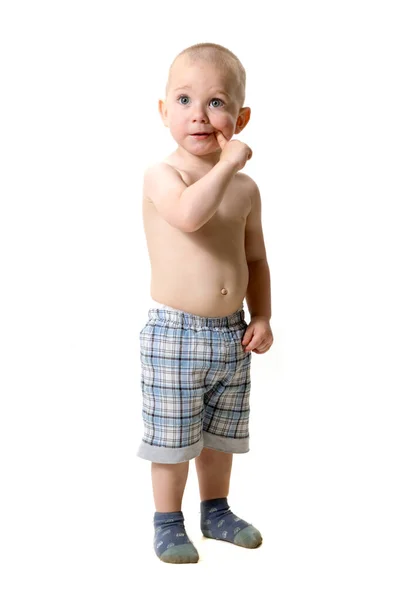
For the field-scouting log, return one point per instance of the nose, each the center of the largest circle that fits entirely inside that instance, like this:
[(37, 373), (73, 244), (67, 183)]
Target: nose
[(199, 114)]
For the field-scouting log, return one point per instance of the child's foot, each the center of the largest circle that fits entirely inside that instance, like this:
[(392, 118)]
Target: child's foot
[(219, 522), (171, 542)]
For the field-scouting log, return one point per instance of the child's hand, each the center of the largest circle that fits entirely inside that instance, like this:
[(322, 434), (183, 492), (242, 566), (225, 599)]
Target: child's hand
[(233, 151), (259, 334)]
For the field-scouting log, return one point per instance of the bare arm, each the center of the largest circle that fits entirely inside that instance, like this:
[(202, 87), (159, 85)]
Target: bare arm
[(164, 186), (189, 207), (200, 201), (258, 294)]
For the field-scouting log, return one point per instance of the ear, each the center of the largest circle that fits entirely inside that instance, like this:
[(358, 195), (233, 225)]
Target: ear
[(243, 119), (162, 109)]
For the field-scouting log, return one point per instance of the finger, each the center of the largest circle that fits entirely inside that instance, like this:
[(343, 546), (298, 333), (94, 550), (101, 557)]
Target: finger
[(247, 337), (263, 348), (221, 139), (255, 343), (250, 347)]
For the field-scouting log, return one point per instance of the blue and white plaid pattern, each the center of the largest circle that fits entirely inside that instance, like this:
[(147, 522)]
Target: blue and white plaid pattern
[(195, 380)]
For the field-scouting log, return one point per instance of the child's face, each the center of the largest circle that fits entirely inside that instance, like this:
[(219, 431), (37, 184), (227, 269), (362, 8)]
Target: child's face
[(200, 98)]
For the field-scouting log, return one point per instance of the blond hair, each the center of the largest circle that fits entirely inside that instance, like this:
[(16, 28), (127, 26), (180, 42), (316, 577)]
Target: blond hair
[(220, 57)]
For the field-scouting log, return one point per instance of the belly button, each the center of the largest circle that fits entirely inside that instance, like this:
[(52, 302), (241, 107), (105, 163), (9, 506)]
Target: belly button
[(224, 291)]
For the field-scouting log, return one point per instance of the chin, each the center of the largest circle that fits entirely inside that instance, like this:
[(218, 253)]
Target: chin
[(200, 150)]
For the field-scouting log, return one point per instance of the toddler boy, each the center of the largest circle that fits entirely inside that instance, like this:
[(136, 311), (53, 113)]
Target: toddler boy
[(202, 220)]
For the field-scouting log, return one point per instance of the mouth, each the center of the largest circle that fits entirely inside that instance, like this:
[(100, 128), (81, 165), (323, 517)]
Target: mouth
[(201, 136)]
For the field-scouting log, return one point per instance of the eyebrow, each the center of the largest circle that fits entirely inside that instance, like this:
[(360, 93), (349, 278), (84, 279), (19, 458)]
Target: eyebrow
[(189, 87)]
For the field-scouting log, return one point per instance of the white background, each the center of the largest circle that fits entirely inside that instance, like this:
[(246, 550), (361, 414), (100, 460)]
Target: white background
[(80, 85)]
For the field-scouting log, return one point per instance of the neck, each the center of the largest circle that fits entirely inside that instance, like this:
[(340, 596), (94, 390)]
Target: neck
[(207, 161)]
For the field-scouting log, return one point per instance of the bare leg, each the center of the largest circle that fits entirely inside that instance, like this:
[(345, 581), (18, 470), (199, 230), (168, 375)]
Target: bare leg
[(214, 473), (169, 481), (171, 543), (217, 520)]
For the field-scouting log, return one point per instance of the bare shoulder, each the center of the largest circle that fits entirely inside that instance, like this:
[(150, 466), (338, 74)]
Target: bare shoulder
[(251, 191), (160, 174), (160, 169), (248, 183)]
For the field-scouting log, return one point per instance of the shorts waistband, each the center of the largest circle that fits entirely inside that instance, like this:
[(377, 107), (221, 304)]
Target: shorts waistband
[(181, 318)]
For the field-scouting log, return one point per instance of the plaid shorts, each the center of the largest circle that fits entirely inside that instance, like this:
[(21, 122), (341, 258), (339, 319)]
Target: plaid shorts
[(195, 381)]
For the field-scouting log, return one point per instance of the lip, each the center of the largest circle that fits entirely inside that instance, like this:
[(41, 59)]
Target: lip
[(200, 134)]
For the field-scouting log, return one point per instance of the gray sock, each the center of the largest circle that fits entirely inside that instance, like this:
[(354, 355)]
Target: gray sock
[(171, 542), (219, 522)]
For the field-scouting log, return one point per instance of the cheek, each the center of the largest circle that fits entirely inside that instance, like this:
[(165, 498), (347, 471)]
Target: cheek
[(176, 122), (225, 123)]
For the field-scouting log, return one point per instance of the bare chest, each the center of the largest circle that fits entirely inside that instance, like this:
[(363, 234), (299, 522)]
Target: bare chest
[(235, 205)]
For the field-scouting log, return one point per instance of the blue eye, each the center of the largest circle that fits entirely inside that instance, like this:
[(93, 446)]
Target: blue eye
[(181, 97), (217, 100)]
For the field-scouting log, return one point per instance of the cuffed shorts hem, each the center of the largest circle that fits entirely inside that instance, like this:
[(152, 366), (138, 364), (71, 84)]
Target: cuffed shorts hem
[(225, 444), (160, 454)]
